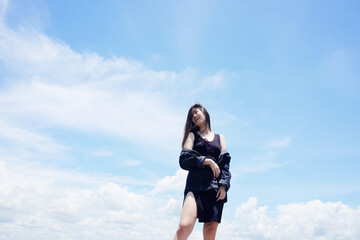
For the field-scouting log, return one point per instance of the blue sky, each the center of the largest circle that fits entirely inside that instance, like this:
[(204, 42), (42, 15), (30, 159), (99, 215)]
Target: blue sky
[(94, 96)]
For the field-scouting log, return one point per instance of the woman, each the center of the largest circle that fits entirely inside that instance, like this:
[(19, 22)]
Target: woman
[(204, 155)]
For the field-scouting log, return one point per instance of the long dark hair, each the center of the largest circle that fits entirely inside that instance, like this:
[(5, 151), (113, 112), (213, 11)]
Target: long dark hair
[(190, 125)]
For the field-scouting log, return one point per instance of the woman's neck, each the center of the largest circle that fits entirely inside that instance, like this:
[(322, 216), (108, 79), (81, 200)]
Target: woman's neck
[(204, 130)]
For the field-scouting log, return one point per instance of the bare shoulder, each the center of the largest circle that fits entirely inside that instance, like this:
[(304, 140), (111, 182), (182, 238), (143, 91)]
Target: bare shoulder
[(189, 143), (222, 138), (191, 136), (222, 142)]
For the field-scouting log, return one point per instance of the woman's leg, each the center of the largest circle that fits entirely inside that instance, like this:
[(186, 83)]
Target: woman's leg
[(188, 218), (209, 230)]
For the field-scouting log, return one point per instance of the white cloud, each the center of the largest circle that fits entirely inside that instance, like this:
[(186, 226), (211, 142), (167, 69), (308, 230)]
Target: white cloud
[(132, 163), (3, 6), (46, 203), (41, 204), (94, 110), (21, 142), (172, 207), (30, 139), (52, 85), (215, 81), (175, 183), (260, 163), (279, 142), (311, 220), (263, 162), (102, 152)]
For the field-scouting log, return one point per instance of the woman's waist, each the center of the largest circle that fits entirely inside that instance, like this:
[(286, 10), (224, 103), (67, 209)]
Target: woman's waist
[(203, 178)]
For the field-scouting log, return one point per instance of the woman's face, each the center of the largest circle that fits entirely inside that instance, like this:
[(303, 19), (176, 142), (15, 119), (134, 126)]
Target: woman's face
[(198, 117)]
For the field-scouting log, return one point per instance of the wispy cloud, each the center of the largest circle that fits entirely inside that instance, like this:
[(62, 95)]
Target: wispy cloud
[(20, 141), (189, 30), (3, 6), (132, 163), (102, 152), (279, 142), (339, 71), (259, 163), (54, 85)]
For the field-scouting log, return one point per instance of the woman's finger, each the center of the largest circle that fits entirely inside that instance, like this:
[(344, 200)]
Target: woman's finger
[(221, 196)]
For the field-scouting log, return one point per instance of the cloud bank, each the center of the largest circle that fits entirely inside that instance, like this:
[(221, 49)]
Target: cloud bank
[(39, 204)]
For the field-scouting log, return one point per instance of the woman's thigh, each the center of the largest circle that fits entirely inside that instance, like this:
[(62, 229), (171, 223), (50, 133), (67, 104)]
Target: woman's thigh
[(189, 210)]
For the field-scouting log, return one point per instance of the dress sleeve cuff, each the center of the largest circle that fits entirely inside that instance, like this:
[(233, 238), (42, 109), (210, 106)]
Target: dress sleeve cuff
[(201, 161)]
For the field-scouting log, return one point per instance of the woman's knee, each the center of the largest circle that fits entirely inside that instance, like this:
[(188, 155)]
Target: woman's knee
[(185, 227)]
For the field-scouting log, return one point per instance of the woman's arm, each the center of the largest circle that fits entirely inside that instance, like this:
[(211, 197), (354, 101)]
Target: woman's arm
[(225, 175), (188, 160), (189, 142), (222, 143)]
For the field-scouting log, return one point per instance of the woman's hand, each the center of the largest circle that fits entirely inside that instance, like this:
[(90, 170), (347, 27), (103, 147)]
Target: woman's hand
[(221, 194), (214, 167)]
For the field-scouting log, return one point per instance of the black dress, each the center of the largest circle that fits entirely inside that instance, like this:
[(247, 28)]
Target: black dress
[(208, 209)]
